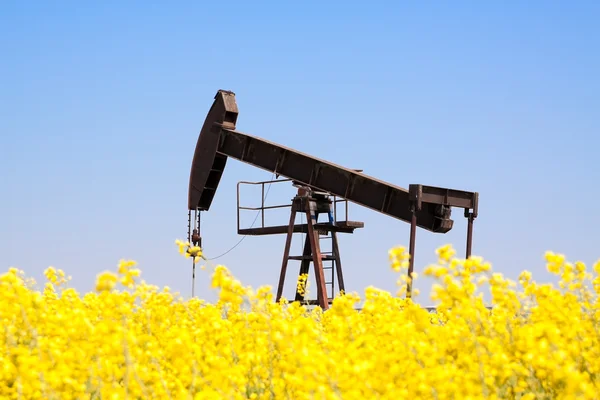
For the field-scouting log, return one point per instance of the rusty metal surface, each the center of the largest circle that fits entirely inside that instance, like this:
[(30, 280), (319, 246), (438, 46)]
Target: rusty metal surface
[(318, 265), (218, 140), (443, 196), (338, 263), (312, 252), (411, 249), (207, 166), (326, 176), (427, 207), (304, 266), (443, 199), (342, 227), (470, 219), (286, 252)]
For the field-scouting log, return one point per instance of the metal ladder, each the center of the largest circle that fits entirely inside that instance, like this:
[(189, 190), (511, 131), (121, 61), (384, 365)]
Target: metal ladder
[(312, 250), (331, 256)]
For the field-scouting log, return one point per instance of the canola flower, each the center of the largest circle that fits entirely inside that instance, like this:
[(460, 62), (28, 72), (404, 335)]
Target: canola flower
[(132, 340)]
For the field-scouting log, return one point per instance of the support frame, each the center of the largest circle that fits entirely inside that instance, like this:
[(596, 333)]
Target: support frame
[(444, 199)]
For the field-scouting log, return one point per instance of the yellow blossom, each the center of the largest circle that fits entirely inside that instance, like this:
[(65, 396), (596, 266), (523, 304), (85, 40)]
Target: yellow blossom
[(106, 281), (485, 337)]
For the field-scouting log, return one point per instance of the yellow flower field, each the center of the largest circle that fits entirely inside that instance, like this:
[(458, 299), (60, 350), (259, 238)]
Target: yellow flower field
[(131, 340)]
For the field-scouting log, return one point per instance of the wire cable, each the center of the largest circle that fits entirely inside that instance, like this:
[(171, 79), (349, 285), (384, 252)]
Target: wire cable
[(251, 226)]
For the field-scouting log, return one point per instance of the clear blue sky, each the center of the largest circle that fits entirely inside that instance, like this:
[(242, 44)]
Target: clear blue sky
[(101, 107)]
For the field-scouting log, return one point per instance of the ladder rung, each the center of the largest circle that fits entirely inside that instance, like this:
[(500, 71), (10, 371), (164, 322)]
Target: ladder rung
[(324, 258), (315, 302)]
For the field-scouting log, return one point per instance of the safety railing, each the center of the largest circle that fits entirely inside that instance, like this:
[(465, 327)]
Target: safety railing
[(264, 207)]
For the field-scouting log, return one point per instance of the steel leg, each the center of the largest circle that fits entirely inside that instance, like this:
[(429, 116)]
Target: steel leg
[(411, 262)]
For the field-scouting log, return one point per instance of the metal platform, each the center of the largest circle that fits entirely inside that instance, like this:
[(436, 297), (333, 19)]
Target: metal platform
[(341, 226)]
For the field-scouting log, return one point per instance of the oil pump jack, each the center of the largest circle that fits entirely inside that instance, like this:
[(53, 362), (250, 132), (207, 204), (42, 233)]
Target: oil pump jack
[(321, 185)]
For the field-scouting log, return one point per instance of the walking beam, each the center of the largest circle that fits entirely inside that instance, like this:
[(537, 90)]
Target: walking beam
[(219, 140)]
